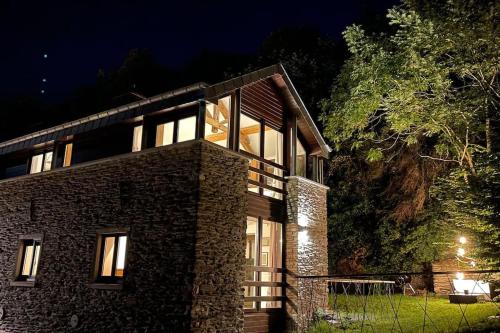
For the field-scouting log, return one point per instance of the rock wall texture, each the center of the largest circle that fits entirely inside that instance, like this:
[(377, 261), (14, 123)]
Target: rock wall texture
[(306, 249), (185, 208)]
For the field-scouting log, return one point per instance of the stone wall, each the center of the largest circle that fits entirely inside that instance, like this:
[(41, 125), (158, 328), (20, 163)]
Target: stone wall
[(185, 207), (306, 249)]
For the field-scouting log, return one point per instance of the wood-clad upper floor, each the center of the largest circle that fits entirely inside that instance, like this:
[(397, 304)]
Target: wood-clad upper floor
[(259, 115)]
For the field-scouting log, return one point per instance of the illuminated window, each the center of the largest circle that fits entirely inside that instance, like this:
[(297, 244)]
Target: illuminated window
[(164, 134), (29, 256), (249, 135), (41, 162), (137, 139), (186, 129), (217, 121), (68, 153), (301, 159), (273, 151), (112, 250)]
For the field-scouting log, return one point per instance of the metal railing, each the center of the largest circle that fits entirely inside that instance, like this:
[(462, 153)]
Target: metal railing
[(401, 302)]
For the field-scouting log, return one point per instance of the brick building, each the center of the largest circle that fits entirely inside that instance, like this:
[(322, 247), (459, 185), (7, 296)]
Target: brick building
[(196, 210)]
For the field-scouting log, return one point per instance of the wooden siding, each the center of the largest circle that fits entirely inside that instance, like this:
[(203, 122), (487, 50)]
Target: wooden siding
[(262, 100)]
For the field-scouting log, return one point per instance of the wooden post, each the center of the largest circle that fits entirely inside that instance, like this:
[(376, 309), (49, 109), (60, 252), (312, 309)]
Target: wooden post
[(201, 119)]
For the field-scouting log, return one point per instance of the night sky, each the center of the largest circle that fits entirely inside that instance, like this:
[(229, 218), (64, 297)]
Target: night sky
[(79, 37)]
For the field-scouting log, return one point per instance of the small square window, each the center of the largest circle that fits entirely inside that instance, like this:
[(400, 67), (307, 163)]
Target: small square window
[(28, 258), (111, 257)]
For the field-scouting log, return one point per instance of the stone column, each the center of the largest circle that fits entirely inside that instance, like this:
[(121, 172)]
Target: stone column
[(306, 250)]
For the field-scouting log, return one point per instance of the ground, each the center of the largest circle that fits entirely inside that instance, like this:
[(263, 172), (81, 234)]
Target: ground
[(379, 315)]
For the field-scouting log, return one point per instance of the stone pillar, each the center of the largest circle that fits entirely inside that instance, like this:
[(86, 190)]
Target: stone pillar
[(306, 250)]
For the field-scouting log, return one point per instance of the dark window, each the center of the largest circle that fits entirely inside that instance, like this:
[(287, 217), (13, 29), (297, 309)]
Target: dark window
[(112, 250), (28, 259)]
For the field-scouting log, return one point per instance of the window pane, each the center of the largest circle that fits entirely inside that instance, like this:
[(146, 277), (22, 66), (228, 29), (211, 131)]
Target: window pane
[(68, 152), (273, 145), (251, 258), (249, 135), (217, 121), (28, 259), (187, 129), (120, 260), (107, 257), (137, 139), (271, 256), (35, 259), (36, 163), (301, 159), (47, 163), (164, 134)]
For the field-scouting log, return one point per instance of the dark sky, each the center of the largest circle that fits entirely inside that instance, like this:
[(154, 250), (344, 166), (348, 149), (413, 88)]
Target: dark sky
[(79, 37)]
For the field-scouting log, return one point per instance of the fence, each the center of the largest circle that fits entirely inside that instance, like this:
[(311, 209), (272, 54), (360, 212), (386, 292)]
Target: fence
[(403, 302)]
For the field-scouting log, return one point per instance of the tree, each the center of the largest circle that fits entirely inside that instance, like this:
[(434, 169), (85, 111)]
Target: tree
[(426, 95)]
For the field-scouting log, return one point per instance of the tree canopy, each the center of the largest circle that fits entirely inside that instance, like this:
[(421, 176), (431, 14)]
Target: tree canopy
[(422, 100)]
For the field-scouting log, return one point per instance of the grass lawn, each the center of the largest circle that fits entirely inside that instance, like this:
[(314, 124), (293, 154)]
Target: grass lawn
[(380, 311)]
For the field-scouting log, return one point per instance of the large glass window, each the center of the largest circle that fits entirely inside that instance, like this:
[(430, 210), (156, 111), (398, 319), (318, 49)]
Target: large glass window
[(217, 121), (187, 129), (249, 135), (41, 162), (263, 250), (164, 134), (273, 151)]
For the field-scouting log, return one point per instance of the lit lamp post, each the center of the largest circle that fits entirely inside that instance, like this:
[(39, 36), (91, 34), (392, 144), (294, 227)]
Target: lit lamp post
[(466, 290)]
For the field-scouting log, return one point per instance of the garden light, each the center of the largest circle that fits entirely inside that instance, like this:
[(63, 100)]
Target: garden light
[(462, 240)]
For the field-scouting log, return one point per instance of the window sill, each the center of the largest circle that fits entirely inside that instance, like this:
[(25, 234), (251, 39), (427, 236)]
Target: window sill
[(26, 284), (106, 286)]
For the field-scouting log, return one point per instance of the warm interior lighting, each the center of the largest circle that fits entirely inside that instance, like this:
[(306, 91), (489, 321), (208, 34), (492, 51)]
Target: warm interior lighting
[(462, 240), (217, 121), (187, 129), (120, 260), (164, 134), (68, 152), (460, 252), (107, 257), (137, 139), (36, 163)]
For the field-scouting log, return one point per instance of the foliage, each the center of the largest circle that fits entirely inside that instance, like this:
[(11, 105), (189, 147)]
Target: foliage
[(419, 104)]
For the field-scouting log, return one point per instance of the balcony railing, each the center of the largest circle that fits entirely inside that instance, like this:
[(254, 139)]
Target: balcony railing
[(265, 177)]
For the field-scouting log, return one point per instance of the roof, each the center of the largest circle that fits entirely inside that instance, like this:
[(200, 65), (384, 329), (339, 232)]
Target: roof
[(168, 99), (280, 77), (101, 119)]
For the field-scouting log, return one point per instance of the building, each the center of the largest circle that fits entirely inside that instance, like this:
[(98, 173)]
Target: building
[(195, 210)]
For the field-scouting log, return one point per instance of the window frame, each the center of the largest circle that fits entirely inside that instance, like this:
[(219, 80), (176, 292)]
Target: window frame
[(151, 123), (21, 280), (109, 282), (42, 152)]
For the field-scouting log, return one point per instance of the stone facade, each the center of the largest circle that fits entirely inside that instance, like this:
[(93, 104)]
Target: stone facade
[(185, 208), (306, 249)]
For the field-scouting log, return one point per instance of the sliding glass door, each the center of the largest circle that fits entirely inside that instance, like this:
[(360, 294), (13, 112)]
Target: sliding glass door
[(263, 253)]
